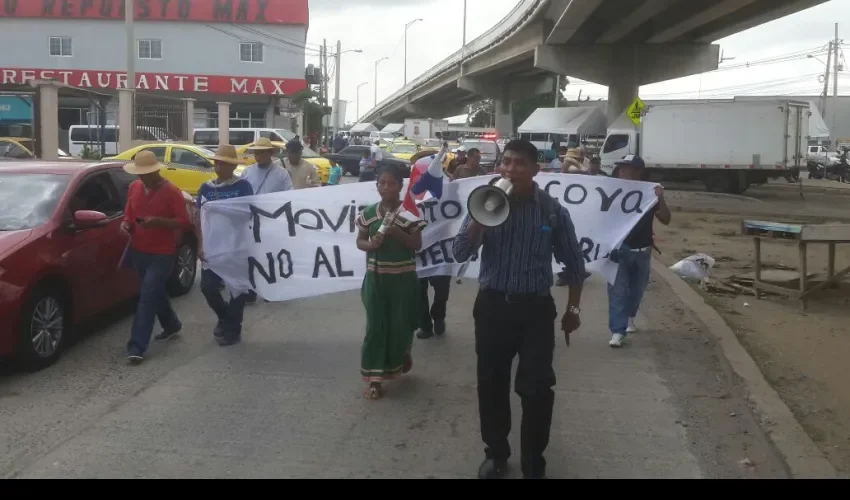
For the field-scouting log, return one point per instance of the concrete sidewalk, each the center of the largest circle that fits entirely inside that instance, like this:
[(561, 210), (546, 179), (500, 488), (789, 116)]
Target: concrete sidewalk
[(288, 402)]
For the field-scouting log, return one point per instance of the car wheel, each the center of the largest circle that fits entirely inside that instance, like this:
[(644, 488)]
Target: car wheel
[(43, 329), (182, 277)]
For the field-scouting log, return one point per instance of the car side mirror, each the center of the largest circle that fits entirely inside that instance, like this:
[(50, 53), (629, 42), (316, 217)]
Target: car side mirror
[(86, 219)]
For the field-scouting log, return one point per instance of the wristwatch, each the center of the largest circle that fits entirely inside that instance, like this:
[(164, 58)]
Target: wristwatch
[(574, 310)]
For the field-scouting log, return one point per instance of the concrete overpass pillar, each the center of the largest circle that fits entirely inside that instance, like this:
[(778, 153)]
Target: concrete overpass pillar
[(620, 96), (504, 117)]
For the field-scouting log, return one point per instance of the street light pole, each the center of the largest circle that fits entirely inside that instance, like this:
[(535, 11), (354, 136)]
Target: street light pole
[(337, 63), (358, 100), (406, 26), (376, 78)]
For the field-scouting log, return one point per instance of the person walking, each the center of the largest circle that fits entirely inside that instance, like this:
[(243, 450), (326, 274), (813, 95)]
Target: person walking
[(634, 258), (302, 172), (390, 290), (514, 311), (154, 216), (228, 328), (267, 175)]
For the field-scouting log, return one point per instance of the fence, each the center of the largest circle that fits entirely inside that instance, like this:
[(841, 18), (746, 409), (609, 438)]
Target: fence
[(158, 118)]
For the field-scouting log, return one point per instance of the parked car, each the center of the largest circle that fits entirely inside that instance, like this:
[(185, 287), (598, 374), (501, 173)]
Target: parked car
[(323, 166), (60, 249), (187, 167), (20, 148), (349, 158), (403, 149)]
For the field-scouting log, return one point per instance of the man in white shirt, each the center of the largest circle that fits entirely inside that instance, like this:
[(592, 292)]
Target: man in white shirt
[(377, 153), (303, 174), (266, 175)]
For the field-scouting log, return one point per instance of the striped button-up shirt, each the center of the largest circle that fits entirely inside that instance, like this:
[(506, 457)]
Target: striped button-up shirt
[(517, 256)]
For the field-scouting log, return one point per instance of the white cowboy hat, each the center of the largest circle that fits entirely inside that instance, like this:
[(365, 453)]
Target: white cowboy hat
[(262, 144), (227, 154), (144, 162)]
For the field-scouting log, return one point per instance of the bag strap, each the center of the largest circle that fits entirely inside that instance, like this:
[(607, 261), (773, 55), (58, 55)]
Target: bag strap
[(549, 207)]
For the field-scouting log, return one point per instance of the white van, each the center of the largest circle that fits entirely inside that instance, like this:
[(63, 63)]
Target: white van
[(80, 136), (208, 137)]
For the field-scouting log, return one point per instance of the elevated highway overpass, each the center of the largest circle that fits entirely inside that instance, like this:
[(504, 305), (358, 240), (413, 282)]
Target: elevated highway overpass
[(622, 44)]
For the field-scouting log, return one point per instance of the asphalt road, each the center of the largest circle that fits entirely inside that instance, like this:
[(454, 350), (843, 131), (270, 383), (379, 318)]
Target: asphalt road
[(287, 402)]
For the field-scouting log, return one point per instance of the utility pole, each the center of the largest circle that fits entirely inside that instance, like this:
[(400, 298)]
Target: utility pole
[(406, 27), (826, 81), (835, 76), (323, 88), (557, 89), (337, 70)]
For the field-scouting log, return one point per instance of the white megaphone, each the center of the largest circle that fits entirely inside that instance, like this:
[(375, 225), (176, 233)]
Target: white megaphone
[(489, 205)]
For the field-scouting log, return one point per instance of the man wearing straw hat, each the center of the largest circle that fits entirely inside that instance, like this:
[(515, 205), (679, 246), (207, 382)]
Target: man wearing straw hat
[(266, 176), (155, 213), (228, 329)]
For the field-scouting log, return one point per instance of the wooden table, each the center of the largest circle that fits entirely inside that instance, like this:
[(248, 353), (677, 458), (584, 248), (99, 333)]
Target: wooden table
[(829, 234)]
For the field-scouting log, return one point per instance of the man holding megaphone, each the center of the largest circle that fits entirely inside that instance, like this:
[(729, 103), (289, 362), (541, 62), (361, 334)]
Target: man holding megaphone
[(518, 227)]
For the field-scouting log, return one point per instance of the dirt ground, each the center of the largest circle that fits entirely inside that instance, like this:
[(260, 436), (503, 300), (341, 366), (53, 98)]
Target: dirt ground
[(805, 357)]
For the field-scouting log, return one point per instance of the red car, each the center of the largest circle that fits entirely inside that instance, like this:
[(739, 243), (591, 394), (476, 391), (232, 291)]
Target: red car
[(60, 248)]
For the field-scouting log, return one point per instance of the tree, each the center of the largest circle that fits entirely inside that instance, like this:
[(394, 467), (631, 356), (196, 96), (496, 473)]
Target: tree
[(307, 101), (481, 114)]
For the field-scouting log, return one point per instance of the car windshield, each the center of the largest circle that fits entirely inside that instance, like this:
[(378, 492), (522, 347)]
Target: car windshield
[(287, 135), (487, 148), (28, 200), (309, 153), (404, 148), (205, 151)]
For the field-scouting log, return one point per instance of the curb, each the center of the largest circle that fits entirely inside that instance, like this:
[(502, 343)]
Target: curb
[(801, 455)]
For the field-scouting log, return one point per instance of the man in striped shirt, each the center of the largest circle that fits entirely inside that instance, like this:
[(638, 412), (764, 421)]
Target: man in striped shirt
[(514, 312)]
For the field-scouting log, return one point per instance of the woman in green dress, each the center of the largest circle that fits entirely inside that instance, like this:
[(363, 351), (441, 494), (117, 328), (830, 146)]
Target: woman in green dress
[(390, 290)]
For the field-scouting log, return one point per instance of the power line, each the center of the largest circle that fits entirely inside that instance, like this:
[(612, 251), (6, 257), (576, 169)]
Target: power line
[(285, 41), (265, 45)]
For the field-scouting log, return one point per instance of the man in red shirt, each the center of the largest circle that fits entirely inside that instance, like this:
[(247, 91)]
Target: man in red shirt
[(154, 218)]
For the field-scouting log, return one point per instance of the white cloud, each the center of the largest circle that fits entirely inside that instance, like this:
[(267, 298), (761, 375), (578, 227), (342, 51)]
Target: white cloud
[(377, 28)]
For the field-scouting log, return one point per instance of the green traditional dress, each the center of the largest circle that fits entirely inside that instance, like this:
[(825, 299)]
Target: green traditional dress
[(390, 294)]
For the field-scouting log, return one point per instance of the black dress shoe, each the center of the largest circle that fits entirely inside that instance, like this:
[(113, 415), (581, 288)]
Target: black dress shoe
[(492, 469)]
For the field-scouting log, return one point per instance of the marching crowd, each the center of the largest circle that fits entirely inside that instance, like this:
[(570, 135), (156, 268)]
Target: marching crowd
[(514, 313)]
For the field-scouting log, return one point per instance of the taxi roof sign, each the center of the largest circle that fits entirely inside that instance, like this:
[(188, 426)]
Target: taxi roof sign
[(636, 110)]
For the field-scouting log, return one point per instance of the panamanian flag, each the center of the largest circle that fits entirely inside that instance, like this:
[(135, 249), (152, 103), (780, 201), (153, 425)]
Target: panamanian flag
[(426, 176)]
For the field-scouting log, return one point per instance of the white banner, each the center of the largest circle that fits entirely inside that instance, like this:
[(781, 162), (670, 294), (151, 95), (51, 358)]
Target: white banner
[(302, 243)]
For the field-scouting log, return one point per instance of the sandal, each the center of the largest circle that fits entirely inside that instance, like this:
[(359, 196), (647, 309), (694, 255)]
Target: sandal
[(373, 393)]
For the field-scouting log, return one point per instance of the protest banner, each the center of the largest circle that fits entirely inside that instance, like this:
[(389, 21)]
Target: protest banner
[(302, 243)]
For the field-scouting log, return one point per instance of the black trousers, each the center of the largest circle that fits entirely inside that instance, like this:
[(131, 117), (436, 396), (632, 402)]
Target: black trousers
[(437, 311), (507, 325)]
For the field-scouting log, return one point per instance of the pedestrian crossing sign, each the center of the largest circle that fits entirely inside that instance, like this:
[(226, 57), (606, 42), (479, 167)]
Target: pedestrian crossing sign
[(636, 110)]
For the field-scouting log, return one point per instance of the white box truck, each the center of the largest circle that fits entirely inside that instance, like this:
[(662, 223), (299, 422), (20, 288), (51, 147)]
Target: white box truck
[(728, 145), (419, 129)]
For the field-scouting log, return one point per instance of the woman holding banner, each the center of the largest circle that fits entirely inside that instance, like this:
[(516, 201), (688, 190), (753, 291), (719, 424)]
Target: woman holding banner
[(390, 290)]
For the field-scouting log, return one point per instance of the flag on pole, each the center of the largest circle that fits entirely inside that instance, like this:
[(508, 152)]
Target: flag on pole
[(426, 175)]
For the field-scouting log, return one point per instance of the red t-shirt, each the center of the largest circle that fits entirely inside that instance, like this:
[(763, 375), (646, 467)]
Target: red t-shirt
[(166, 201)]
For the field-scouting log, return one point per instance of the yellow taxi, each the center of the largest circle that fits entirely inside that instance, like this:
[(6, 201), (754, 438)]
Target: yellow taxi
[(186, 166), (23, 147), (323, 166), (403, 150)]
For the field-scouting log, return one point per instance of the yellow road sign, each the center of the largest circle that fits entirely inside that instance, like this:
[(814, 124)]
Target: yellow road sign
[(635, 111)]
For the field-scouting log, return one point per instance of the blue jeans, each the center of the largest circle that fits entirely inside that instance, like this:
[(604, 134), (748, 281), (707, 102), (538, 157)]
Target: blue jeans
[(625, 294), (153, 271), (230, 313)]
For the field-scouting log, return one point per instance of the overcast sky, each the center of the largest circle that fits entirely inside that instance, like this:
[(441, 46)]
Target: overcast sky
[(377, 28)]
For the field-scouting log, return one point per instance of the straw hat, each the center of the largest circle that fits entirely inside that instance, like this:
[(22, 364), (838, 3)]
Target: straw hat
[(227, 154), (144, 163), (262, 144)]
